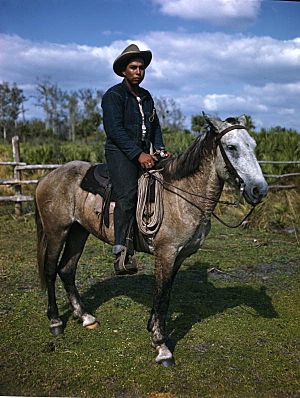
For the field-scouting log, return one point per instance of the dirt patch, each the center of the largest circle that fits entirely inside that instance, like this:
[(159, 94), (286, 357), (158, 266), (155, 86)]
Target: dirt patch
[(263, 271)]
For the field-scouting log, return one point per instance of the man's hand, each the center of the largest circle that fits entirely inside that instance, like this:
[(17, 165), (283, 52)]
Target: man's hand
[(147, 161)]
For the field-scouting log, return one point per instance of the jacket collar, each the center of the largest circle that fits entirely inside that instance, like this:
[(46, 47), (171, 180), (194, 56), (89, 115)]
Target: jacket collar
[(143, 92)]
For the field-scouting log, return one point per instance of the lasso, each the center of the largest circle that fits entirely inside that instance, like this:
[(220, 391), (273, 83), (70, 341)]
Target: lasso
[(149, 215)]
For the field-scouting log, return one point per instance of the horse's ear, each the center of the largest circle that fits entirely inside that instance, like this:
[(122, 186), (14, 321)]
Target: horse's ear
[(242, 120), (216, 123)]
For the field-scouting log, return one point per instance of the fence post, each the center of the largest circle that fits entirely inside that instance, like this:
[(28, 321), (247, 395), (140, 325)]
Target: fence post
[(17, 173)]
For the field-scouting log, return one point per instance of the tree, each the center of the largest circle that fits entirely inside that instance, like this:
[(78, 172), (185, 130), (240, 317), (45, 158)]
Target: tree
[(73, 114), (11, 105), (88, 126), (59, 106), (33, 130), (43, 101), (53, 102), (68, 114), (16, 107), (91, 116), (250, 126), (169, 113), (4, 107), (198, 123)]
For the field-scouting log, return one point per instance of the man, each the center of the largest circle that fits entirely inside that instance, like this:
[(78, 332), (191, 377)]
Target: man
[(132, 128)]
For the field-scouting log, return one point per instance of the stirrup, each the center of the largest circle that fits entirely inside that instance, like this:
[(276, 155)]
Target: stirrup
[(125, 265)]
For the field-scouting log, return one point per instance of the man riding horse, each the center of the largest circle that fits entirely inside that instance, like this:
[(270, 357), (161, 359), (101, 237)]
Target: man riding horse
[(133, 131)]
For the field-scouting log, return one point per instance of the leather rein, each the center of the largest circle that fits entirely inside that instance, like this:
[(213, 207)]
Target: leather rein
[(232, 171)]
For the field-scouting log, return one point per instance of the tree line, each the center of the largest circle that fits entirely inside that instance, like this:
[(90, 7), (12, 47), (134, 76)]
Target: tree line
[(76, 116), (67, 115)]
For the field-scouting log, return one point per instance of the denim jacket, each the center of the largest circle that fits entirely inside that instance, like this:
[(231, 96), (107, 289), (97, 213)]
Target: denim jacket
[(122, 121)]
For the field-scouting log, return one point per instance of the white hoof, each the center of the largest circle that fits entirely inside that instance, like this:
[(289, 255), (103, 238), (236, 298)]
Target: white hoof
[(88, 320), (164, 356)]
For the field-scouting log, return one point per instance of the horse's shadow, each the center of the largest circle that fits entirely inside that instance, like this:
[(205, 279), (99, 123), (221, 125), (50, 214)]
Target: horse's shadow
[(194, 298)]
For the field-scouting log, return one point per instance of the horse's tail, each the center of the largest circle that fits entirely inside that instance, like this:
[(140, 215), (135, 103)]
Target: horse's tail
[(41, 246)]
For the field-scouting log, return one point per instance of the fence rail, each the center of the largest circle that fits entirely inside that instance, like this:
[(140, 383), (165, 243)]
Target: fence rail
[(37, 166), (282, 175), (279, 161), (14, 181), (17, 182)]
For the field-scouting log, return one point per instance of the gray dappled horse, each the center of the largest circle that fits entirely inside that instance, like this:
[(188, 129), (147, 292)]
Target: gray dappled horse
[(65, 216)]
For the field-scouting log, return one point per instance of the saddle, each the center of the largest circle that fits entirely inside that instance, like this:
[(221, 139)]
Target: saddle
[(97, 181)]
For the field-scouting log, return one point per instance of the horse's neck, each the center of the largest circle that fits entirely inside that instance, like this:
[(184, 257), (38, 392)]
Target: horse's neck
[(205, 186)]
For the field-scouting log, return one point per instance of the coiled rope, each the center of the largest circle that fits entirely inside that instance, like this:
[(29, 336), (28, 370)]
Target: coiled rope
[(149, 215)]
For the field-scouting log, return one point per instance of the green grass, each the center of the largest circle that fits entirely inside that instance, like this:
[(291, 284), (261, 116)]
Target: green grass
[(233, 320)]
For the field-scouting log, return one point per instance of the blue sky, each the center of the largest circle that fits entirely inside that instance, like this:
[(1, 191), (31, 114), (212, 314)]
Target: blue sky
[(225, 57)]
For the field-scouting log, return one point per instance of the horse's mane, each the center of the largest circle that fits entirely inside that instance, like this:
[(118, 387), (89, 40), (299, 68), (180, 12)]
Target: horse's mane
[(189, 162)]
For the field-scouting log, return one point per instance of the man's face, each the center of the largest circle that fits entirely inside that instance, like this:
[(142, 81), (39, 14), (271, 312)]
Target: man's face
[(135, 72)]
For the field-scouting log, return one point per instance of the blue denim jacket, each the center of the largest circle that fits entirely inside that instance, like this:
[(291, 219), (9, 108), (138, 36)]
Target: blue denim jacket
[(122, 121)]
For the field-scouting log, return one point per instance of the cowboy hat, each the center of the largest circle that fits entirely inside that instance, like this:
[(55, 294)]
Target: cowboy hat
[(130, 52)]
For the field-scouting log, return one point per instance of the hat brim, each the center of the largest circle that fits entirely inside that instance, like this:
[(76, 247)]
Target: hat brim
[(122, 61)]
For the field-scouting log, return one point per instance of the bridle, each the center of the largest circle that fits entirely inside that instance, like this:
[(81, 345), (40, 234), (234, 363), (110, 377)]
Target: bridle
[(231, 170), (234, 174)]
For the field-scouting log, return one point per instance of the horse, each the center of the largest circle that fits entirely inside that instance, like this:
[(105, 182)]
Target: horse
[(192, 185)]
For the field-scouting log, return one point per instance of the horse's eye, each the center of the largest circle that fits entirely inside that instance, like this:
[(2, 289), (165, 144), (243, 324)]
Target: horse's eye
[(231, 147)]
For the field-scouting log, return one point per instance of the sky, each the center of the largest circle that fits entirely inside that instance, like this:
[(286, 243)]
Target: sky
[(223, 57)]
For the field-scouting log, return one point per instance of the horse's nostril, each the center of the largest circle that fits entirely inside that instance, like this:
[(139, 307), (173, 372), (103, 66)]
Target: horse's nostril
[(256, 192)]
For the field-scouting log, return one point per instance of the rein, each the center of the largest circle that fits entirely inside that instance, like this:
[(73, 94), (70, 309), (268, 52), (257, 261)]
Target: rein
[(236, 225), (225, 202), (151, 227)]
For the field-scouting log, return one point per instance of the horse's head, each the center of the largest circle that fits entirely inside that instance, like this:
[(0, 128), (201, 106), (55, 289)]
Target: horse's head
[(236, 161)]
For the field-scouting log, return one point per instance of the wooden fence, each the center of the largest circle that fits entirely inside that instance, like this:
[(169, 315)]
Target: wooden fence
[(17, 182)]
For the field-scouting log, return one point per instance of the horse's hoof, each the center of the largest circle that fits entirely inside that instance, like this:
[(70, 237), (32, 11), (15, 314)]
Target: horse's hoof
[(94, 325), (164, 357), (89, 321), (56, 330), (167, 362)]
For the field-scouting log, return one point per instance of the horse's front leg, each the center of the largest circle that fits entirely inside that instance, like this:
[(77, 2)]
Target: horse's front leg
[(165, 271)]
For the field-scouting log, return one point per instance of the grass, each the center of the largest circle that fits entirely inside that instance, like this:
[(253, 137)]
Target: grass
[(233, 321)]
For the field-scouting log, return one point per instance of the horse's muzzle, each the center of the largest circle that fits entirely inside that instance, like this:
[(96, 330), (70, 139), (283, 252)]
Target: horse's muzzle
[(256, 192)]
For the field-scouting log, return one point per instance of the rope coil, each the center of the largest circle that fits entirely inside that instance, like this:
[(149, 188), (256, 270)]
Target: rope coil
[(149, 215)]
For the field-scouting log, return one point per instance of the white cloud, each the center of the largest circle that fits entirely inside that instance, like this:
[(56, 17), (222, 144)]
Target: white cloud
[(269, 105), (224, 58), (181, 61), (69, 64), (227, 102), (216, 11), (273, 91), (216, 72)]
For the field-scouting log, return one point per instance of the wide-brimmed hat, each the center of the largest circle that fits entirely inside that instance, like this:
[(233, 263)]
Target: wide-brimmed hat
[(131, 52)]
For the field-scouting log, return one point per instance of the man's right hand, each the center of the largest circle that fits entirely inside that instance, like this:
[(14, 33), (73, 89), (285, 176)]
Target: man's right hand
[(147, 161)]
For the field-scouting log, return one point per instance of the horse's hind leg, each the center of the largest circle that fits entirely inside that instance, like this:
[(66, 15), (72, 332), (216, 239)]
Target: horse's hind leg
[(54, 247), (74, 246)]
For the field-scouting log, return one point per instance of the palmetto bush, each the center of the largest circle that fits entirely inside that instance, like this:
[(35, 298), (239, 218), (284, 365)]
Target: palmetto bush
[(278, 144)]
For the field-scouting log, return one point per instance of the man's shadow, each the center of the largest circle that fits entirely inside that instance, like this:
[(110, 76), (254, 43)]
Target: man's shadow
[(194, 298)]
